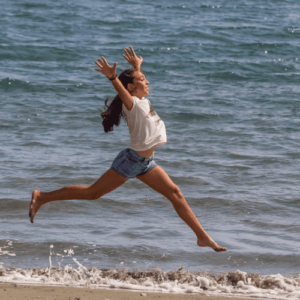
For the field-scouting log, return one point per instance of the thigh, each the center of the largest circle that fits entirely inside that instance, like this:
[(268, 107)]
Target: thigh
[(108, 182), (159, 181)]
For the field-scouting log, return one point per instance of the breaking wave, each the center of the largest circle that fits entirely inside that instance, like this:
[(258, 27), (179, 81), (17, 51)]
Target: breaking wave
[(236, 283)]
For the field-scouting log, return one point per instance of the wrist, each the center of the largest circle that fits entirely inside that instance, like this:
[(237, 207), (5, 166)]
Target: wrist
[(137, 68), (112, 77)]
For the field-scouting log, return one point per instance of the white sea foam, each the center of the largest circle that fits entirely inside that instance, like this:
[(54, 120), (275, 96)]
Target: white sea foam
[(235, 283), (7, 244)]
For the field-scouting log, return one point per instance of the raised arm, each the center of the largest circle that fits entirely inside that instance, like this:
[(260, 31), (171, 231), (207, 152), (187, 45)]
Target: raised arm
[(110, 73)]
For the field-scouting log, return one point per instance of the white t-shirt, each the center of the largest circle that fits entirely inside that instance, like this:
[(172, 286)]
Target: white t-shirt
[(146, 128)]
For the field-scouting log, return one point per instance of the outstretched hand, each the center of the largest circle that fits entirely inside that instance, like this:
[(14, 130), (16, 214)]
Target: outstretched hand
[(131, 57), (105, 68)]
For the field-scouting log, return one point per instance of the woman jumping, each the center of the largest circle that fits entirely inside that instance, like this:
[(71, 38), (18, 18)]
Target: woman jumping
[(147, 131)]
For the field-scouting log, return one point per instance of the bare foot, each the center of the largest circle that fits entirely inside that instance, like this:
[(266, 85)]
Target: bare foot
[(209, 242), (34, 205)]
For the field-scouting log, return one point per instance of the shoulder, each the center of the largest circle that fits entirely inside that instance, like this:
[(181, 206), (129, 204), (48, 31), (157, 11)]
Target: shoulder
[(136, 101)]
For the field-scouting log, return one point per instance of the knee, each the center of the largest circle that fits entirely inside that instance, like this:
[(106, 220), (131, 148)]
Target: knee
[(93, 197), (92, 194), (176, 193)]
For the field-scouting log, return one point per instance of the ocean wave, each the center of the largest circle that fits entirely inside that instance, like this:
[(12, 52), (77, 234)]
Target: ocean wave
[(235, 283)]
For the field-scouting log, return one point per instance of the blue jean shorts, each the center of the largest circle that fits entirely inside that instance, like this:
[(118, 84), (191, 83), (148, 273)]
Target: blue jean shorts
[(130, 164)]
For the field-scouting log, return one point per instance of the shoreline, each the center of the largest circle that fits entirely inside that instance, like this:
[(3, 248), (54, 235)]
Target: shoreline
[(9, 291)]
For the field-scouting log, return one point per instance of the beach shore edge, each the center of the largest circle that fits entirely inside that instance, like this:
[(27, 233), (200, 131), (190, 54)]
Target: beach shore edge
[(10, 291)]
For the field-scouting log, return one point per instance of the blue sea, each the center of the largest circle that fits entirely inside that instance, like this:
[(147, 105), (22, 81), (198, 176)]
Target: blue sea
[(225, 78)]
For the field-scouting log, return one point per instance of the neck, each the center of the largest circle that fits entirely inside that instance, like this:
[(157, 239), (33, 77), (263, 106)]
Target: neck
[(137, 95)]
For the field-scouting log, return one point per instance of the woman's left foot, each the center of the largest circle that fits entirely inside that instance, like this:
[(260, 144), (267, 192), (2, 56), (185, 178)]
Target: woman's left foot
[(209, 242)]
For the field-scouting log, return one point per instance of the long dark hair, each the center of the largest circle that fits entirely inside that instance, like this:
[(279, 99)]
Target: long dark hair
[(113, 113)]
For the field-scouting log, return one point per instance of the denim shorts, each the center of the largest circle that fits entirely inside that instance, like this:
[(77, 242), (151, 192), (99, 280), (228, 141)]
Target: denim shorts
[(130, 164)]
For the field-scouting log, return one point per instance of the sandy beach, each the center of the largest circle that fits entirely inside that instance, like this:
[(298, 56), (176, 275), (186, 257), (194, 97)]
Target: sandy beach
[(22, 292)]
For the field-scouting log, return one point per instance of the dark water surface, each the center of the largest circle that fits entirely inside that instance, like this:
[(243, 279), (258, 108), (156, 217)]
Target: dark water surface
[(224, 76)]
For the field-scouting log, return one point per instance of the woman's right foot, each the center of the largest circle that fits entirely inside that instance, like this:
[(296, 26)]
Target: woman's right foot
[(209, 242), (34, 205)]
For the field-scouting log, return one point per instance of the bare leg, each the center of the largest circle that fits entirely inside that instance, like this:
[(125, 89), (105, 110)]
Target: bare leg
[(159, 180), (108, 182)]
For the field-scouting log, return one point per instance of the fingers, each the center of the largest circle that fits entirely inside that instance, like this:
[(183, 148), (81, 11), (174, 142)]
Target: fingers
[(131, 57), (132, 51), (102, 62), (105, 62), (126, 57), (128, 53), (98, 64)]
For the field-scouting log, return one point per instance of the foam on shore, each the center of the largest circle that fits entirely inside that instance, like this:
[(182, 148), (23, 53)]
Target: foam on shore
[(235, 283)]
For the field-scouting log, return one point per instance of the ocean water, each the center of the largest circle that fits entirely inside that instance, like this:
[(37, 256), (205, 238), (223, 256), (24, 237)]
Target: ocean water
[(224, 76)]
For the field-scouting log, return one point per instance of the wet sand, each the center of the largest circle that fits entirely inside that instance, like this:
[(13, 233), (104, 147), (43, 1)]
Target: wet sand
[(29, 292)]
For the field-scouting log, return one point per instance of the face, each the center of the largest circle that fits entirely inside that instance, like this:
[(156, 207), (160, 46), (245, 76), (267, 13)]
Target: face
[(139, 87)]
